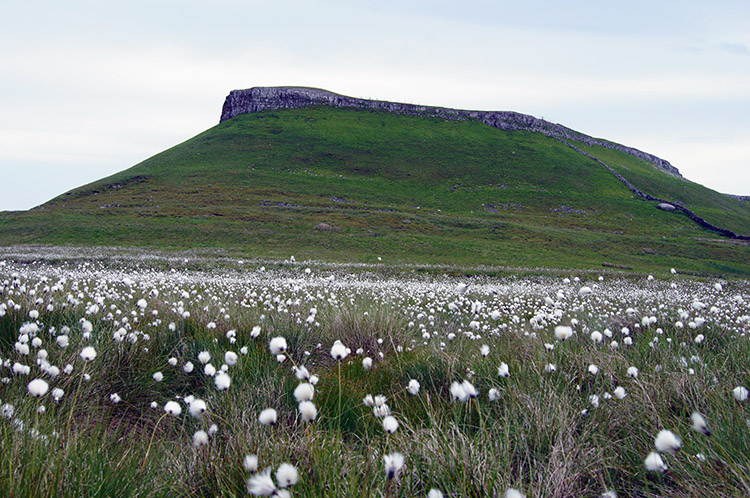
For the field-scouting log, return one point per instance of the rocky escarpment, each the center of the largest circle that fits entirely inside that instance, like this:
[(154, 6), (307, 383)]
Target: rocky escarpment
[(270, 98)]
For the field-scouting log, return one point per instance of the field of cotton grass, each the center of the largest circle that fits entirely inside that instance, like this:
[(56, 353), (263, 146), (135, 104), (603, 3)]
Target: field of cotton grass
[(184, 378)]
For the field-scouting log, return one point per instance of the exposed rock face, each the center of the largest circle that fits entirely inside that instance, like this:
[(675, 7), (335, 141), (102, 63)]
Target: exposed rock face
[(665, 206), (270, 98)]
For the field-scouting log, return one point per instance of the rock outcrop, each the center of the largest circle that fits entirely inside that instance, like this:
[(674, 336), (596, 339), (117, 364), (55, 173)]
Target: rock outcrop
[(271, 98)]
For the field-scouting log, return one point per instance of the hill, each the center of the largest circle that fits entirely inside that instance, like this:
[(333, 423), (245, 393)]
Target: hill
[(331, 181)]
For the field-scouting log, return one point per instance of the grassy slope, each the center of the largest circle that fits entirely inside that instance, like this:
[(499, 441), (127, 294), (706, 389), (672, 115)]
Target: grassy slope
[(400, 187)]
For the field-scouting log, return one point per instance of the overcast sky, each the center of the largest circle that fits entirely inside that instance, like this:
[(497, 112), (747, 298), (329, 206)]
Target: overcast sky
[(88, 88)]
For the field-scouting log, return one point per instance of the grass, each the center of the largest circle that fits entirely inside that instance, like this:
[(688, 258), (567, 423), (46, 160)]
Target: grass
[(405, 188), (536, 437)]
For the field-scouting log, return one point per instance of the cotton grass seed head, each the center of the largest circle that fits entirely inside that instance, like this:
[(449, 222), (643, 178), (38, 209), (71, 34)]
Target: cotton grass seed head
[(667, 442), (654, 463), (390, 424), (222, 382), (197, 408), (304, 392), (503, 370), (267, 417), (277, 345), (699, 424), (286, 475), (204, 357), (393, 464), (250, 463), (339, 351), (307, 411), (173, 408), (740, 393), (413, 387), (38, 388), (563, 332), (513, 493), (261, 484), (200, 438), (88, 353)]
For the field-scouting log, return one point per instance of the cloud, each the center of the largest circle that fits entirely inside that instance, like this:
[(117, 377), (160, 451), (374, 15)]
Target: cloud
[(734, 48)]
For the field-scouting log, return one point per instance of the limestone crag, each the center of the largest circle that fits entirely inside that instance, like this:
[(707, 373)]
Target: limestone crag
[(271, 98)]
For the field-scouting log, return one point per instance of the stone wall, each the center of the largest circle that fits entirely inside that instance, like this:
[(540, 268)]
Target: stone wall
[(270, 98)]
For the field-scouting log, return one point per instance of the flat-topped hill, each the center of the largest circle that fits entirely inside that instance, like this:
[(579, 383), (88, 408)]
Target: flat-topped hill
[(346, 183)]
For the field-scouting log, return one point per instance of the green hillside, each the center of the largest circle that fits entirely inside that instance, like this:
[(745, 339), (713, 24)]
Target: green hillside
[(404, 188)]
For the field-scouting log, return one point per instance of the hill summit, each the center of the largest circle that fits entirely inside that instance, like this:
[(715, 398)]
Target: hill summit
[(302, 171)]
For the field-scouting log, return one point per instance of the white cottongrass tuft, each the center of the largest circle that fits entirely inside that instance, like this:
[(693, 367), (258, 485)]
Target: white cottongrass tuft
[(188, 367), (367, 363), (173, 408), (435, 493), (633, 372), (413, 387), (222, 381), (339, 351), (277, 345), (200, 438), (204, 357), (267, 417), (667, 442), (261, 484), (250, 463), (458, 393), (484, 350), (38, 387), (158, 376), (286, 475), (197, 408), (513, 493), (88, 353), (302, 373), (390, 424), (304, 392), (593, 369), (308, 411), (740, 393), (493, 394), (654, 463), (563, 332), (619, 392), (503, 370), (230, 358), (699, 424), (393, 464), (114, 398)]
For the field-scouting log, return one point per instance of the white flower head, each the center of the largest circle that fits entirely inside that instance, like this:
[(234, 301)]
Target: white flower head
[(200, 438), (413, 387), (667, 442), (304, 392), (503, 370), (390, 424), (563, 332), (204, 357), (286, 475), (38, 387), (173, 408), (197, 408), (88, 353), (393, 464), (277, 345), (740, 393), (513, 493), (654, 463), (261, 484), (250, 463), (267, 417), (222, 381), (230, 358), (699, 424), (308, 411), (339, 351)]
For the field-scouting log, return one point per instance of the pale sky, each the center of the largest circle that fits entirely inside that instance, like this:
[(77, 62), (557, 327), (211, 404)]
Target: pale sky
[(89, 88)]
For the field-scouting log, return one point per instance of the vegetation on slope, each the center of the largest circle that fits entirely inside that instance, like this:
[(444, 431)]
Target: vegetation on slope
[(400, 187)]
